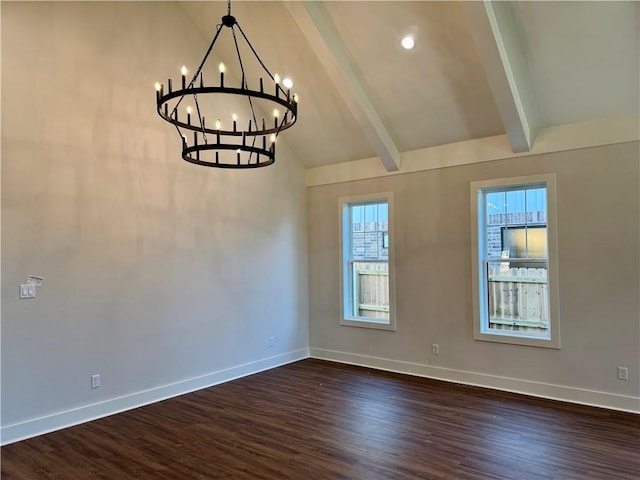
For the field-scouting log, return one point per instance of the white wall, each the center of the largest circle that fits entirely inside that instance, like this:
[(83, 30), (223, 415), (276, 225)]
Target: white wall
[(159, 275), (599, 258)]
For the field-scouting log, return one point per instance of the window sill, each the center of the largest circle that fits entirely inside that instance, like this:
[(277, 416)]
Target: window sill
[(376, 324), (515, 339)]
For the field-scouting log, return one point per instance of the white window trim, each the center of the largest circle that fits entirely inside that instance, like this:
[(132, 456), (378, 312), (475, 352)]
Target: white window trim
[(343, 204), (552, 245)]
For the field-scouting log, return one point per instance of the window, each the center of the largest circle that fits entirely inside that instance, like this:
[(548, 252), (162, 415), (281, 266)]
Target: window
[(514, 251), (367, 276)]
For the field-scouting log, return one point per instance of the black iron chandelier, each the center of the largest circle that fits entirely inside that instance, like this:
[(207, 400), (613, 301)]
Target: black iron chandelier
[(222, 142)]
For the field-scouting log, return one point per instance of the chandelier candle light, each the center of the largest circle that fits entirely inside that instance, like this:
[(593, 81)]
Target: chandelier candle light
[(226, 145)]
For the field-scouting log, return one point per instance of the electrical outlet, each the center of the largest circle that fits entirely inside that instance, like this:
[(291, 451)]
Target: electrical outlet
[(95, 381), (272, 341), (623, 373), (435, 349)]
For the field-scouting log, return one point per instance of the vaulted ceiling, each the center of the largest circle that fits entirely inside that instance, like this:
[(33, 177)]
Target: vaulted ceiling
[(478, 69)]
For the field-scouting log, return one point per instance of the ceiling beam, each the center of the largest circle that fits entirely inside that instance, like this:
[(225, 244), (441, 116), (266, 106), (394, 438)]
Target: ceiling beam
[(502, 47), (316, 25)]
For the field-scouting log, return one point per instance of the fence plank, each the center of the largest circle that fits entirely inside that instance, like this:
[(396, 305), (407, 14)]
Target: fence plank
[(518, 299), (372, 295)]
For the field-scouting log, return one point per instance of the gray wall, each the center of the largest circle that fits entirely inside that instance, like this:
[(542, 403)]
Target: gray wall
[(598, 226), (164, 277), (156, 271)]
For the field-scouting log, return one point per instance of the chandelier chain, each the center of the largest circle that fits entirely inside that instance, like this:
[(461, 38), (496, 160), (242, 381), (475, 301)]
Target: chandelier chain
[(204, 133), (263, 66), (254, 52), (244, 85), (195, 76)]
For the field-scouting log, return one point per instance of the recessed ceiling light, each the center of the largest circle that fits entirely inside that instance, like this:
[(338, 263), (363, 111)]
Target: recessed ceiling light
[(287, 83), (408, 42)]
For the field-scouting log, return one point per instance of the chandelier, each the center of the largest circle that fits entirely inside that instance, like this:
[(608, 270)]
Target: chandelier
[(223, 124)]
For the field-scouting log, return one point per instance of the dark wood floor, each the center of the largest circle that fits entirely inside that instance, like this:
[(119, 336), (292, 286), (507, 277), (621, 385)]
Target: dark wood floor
[(315, 420)]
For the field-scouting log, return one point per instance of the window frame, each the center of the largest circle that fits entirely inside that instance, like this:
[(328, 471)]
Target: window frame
[(344, 204), (481, 331)]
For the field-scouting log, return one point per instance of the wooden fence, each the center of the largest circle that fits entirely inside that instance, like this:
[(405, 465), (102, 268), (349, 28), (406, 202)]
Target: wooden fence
[(518, 299), (371, 289)]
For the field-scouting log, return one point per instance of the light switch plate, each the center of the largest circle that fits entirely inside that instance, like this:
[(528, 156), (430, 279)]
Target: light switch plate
[(27, 290)]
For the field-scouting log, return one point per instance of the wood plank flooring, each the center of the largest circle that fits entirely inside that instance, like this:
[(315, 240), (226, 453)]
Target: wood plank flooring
[(316, 420)]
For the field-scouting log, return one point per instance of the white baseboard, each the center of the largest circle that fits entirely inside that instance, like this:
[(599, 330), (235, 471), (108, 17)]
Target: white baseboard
[(59, 420), (536, 389)]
